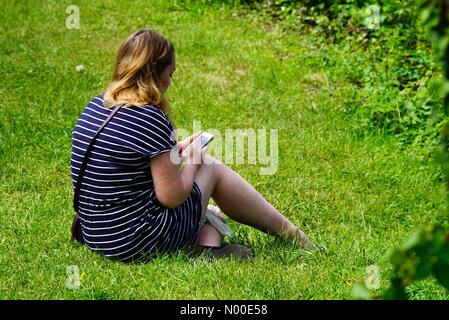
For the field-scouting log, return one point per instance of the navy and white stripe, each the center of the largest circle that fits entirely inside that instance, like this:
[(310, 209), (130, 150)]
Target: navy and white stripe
[(119, 213)]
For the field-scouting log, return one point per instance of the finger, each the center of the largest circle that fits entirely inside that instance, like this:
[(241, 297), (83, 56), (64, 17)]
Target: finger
[(195, 155), (180, 147), (196, 135)]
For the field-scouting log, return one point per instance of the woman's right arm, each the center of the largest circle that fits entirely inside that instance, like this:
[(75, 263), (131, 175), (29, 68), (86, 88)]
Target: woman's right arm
[(172, 185)]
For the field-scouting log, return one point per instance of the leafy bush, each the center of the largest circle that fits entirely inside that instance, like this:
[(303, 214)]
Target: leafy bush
[(424, 254), (391, 67)]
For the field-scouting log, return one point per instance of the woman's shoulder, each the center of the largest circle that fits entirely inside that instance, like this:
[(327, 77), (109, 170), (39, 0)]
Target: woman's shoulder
[(154, 110), (97, 104), (152, 117), (156, 114), (147, 111)]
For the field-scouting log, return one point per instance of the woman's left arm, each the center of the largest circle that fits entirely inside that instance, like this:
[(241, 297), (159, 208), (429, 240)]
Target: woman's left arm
[(173, 186)]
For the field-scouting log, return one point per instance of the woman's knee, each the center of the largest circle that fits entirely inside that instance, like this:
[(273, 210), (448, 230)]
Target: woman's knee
[(213, 166), (210, 160), (206, 179), (208, 169)]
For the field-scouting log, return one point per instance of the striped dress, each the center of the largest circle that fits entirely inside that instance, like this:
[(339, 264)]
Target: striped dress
[(120, 216)]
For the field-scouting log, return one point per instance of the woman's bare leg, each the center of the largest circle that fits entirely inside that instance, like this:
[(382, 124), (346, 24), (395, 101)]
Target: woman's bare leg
[(241, 202), (208, 236)]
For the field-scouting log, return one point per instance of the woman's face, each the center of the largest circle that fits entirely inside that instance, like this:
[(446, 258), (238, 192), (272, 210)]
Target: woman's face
[(165, 77)]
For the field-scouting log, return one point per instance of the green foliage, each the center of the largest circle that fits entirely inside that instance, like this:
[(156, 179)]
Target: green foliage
[(393, 70), (424, 254), (436, 16), (391, 66)]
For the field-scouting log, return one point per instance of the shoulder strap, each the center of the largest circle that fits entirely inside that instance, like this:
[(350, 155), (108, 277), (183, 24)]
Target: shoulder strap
[(86, 157)]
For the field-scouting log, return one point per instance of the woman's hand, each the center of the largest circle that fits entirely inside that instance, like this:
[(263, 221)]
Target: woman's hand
[(187, 141), (195, 156)]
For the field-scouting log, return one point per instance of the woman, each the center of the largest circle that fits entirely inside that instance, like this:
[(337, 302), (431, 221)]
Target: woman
[(134, 200)]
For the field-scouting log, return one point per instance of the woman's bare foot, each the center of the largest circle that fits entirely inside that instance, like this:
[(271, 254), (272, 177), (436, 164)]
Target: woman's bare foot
[(300, 239)]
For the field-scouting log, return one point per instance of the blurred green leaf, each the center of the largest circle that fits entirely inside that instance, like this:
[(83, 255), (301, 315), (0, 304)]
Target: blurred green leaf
[(441, 272), (360, 292)]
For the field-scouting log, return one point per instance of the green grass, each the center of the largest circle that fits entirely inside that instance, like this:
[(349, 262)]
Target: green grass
[(360, 195)]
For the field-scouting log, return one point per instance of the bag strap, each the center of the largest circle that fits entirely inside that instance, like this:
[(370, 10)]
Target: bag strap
[(86, 157)]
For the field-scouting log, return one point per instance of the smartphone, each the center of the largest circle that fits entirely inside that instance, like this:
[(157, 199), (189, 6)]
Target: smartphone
[(200, 142)]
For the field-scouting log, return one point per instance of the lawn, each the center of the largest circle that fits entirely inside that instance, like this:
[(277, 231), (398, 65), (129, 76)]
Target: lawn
[(359, 194)]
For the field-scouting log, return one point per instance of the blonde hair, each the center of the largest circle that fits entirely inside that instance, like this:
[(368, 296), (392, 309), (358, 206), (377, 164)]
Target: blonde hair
[(140, 61)]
